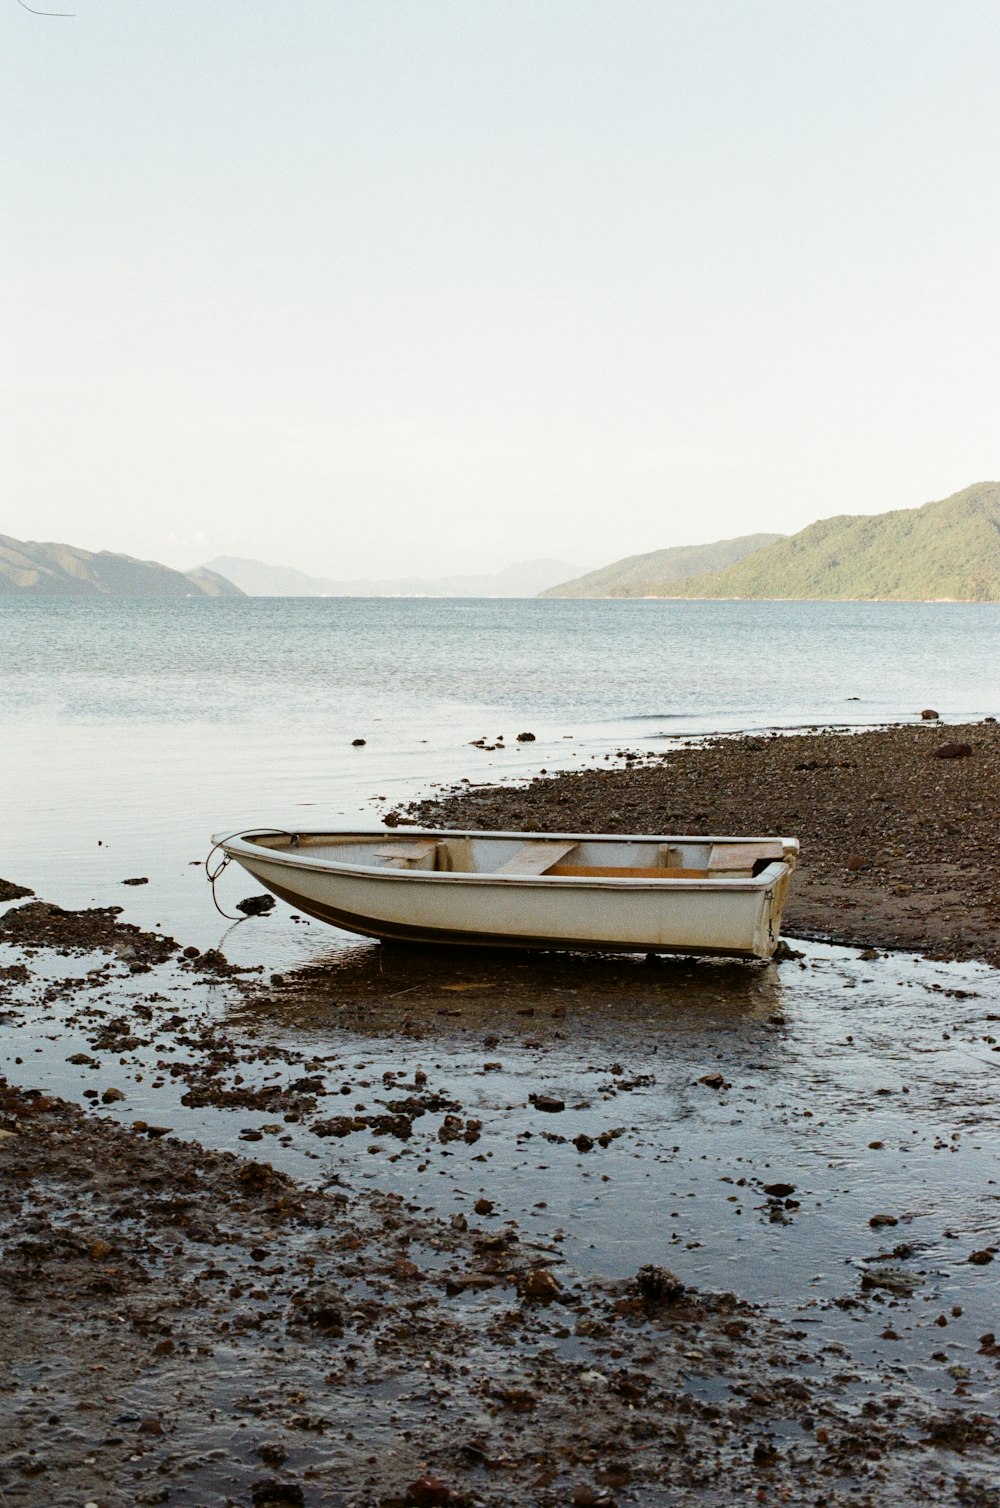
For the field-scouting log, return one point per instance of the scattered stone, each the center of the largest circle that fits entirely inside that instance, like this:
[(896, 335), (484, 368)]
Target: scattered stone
[(539, 1286), (953, 750), (428, 1492), (856, 863), (981, 1258), (878, 1220), (140, 879), (269, 1494), (779, 1190), (929, 715), (714, 1081), (484, 1206), (547, 1102), (256, 905), (658, 1285), (526, 738), (583, 1142), (892, 1279), (358, 743), (112, 1096)]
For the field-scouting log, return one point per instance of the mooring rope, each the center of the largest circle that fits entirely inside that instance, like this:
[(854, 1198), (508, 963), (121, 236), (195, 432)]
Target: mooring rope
[(213, 875)]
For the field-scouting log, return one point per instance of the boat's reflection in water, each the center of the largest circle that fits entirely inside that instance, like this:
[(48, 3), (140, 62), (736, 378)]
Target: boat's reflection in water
[(381, 989)]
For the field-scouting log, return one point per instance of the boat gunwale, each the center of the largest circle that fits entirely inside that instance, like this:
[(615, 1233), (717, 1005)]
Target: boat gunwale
[(243, 843)]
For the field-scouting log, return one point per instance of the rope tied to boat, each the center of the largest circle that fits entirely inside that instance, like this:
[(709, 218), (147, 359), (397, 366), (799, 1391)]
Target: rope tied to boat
[(214, 875)]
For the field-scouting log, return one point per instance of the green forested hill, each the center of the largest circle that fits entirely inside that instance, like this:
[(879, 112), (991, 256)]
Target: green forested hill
[(947, 549), (654, 575)]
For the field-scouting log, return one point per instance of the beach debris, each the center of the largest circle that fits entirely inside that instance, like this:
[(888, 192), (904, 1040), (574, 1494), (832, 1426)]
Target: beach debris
[(952, 750), (256, 905)]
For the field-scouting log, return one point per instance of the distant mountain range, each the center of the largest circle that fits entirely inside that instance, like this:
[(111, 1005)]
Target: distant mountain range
[(55, 570), (527, 579), (946, 551), (651, 575)]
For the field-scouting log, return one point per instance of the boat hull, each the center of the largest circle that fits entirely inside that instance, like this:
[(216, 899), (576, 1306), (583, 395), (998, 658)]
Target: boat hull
[(731, 916)]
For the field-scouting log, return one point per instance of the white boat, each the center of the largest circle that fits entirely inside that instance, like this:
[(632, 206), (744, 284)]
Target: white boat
[(530, 890)]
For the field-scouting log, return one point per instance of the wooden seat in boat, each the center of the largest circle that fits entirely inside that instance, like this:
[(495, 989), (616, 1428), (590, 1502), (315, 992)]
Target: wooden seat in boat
[(725, 858), (404, 855), (536, 858)]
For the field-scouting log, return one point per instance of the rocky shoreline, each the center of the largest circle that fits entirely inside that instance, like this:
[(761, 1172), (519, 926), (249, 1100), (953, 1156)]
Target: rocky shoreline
[(195, 1326), (899, 847)]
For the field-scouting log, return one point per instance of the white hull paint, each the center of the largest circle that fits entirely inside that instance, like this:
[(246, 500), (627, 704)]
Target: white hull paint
[(438, 886)]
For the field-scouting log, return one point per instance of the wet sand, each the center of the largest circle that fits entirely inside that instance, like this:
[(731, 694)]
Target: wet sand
[(899, 847), (409, 1228)]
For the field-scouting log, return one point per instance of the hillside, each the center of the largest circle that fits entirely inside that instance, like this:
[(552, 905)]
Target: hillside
[(942, 550), (654, 574), (30, 568), (260, 580)]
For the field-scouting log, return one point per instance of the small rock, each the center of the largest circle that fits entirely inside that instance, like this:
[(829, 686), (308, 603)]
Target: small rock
[(484, 1206), (539, 1286), (358, 743), (111, 1096), (658, 1285), (99, 1250), (877, 1220), (140, 879), (856, 862), (929, 715), (547, 1102), (526, 738), (779, 1190), (583, 1142), (714, 1081), (151, 1426), (953, 751), (981, 1258), (272, 1454), (256, 905), (276, 1495), (428, 1492)]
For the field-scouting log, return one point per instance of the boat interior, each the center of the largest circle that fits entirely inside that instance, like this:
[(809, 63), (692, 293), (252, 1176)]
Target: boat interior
[(510, 855)]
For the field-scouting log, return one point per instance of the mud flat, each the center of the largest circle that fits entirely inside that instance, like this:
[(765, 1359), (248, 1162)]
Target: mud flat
[(899, 846), (413, 1229)]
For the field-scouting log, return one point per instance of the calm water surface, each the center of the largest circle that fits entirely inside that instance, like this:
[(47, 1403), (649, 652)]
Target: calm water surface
[(134, 730)]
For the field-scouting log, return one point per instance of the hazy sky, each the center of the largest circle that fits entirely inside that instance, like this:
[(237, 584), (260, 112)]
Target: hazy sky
[(381, 286)]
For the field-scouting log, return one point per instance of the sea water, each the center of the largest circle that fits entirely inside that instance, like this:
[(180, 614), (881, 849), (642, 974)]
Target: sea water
[(134, 730)]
